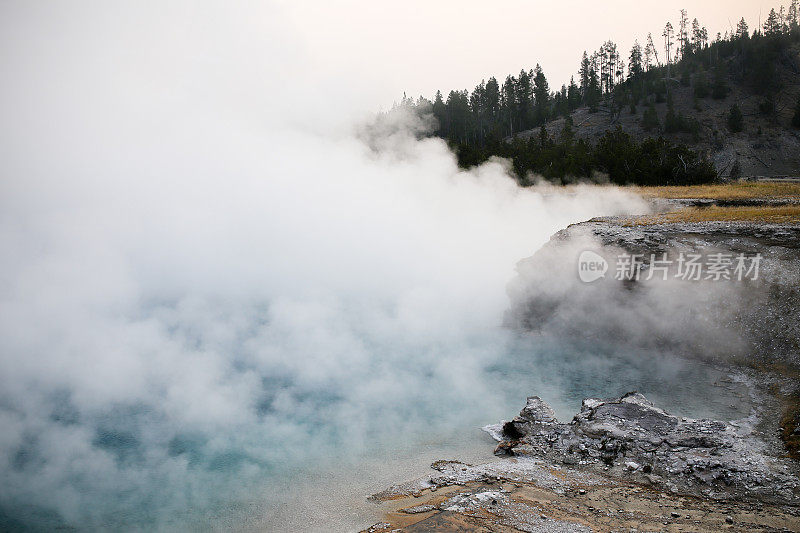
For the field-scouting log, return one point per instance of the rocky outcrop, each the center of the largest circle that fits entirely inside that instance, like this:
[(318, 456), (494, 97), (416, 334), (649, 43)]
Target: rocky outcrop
[(619, 465), (723, 319), (631, 437)]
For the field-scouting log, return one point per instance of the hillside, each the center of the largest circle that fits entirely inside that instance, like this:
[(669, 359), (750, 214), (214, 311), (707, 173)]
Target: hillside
[(767, 145), (708, 110)]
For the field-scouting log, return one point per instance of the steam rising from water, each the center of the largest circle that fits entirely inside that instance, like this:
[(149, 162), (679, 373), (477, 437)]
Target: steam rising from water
[(202, 289)]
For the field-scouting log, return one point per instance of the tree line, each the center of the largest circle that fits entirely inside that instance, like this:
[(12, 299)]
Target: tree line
[(486, 121)]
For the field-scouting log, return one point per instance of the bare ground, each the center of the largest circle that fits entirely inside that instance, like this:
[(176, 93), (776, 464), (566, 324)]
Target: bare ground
[(612, 506)]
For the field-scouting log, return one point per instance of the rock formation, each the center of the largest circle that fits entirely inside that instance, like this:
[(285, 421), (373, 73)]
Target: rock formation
[(631, 437)]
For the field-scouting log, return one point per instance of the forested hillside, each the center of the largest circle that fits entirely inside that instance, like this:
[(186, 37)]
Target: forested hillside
[(681, 108)]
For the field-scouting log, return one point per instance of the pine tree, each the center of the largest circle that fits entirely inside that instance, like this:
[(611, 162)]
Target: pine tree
[(524, 92), (792, 17), (616, 64), (782, 18), (683, 35), (544, 139), (561, 102), (541, 94), (440, 112), (509, 102), (573, 95), (584, 74), (611, 66), (593, 92), (668, 34), (458, 115), (635, 67), (742, 31), (773, 24), (699, 36), (492, 100), (476, 104)]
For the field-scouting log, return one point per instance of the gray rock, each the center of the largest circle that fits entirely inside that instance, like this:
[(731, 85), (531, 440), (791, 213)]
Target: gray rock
[(632, 465), (418, 509), (702, 457), (536, 412)]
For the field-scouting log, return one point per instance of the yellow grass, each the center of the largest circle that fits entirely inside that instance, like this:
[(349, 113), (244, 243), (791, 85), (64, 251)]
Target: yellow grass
[(730, 191), (784, 214)]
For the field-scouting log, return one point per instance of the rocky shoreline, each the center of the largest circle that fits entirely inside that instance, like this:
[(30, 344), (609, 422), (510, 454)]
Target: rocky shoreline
[(629, 437), (620, 464), (624, 463)]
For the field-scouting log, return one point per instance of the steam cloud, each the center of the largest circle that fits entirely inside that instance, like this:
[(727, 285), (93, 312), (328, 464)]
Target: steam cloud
[(205, 271)]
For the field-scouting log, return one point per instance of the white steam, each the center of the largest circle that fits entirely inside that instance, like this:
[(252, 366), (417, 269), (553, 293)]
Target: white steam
[(204, 272)]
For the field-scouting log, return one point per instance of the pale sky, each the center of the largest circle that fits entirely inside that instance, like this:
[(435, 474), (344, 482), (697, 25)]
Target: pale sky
[(315, 62), (418, 46)]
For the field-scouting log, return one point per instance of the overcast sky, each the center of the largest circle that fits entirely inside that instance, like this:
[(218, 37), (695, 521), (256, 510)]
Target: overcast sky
[(421, 45), (359, 55)]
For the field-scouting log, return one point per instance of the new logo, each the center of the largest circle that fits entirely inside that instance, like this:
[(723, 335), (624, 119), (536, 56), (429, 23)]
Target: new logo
[(591, 266)]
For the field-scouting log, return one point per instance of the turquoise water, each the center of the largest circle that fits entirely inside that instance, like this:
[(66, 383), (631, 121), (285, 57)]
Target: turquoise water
[(310, 449)]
